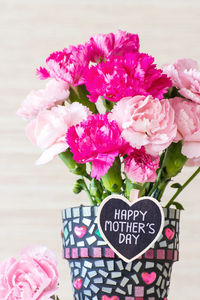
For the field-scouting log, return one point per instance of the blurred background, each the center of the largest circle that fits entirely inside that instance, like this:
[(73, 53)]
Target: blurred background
[(31, 198)]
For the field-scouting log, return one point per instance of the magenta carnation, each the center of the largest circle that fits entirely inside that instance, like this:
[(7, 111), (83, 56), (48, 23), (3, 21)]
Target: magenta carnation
[(67, 65), (96, 140), (128, 75), (140, 166), (101, 46)]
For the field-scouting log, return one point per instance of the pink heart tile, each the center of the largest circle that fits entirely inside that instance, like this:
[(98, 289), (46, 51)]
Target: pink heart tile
[(78, 283), (104, 297), (80, 231), (149, 278), (169, 233)]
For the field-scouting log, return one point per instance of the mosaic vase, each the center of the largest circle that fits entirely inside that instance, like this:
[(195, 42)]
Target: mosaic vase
[(99, 274)]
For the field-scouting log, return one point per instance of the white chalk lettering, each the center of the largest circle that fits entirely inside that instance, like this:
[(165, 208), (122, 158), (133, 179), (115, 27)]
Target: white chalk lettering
[(117, 214), (130, 213), (135, 214), (123, 214), (143, 215), (121, 238), (122, 223), (152, 229), (141, 227), (115, 226), (136, 238), (108, 223)]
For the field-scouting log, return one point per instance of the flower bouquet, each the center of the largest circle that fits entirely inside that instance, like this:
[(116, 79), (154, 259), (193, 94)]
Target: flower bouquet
[(120, 124)]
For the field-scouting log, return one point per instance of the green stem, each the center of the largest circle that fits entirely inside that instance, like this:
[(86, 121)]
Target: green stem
[(182, 187), (87, 191)]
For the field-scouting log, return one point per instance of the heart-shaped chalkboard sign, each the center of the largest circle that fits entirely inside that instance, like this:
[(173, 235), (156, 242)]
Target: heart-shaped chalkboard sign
[(130, 229)]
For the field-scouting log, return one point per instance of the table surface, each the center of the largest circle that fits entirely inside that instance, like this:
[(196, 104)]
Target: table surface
[(31, 197)]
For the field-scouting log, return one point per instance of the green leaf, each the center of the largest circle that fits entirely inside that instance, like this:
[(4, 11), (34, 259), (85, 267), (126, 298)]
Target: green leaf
[(178, 205), (79, 94), (176, 185)]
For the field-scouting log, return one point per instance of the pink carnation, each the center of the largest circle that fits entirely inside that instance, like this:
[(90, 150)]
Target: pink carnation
[(33, 277), (101, 46), (55, 93), (96, 140), (185, 75), (49, 128), (128, 75), (145, 121), (140, 166), (187, 118), (67, 65)]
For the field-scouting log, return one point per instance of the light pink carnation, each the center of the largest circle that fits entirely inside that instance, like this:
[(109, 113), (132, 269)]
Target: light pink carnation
[(32, 277), (98, 141), (145, 121), (55, 93), (67, 65), (185, 75), (187, 118), (101, 46), (48, 130), (140, 166), (128, 75)]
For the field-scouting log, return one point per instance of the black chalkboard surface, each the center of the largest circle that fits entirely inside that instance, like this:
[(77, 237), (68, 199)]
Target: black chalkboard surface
[(130, 229)]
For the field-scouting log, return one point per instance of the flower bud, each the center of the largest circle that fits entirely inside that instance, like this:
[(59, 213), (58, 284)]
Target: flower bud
[(112, 180), (74, 167)]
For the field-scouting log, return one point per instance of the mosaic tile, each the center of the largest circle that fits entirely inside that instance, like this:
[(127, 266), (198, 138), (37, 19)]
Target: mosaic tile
[(81, 244), (76, 212), (116, 274), (88, 264), (120, 265), (83, 272), (75, 253), (163, 244), (88, 293), (97, 252), (138, 266), (68, 213), (98, 280), (110, 265), (128, 266), (150, 291), (92, 274), (149, 254), (109, 253), (72, 240), (129, 298), (160, 254), (135, 278), (92, 228), (158, 282), (86, 282), (103, 273), (97, 232), (118, 290), (99, 263), (69, 226), (110, 281), (76, 272), (91, 240), (139, 291), (107, 290), (124, 281), (94, 288), (101, 243), (86, 211), (84, 252), (130, 289), (149, 265), (87, 222), (159, 266)]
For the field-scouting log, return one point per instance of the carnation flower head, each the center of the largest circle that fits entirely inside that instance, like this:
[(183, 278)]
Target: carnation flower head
[(96, 140), (140, 166), (67, 65), (185, 75), (101, 46), (123, 76)]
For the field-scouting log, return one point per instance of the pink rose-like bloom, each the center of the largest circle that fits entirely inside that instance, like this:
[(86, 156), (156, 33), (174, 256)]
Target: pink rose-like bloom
[(33, 277), (123, 76), (55, 93), (96, 140), (67, 65), (49, 128), (140, 166), (185, 75), (187, 118), (145, 121), (101, 46)]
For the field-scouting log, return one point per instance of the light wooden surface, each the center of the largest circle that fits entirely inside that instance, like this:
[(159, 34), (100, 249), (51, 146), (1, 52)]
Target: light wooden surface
[(31, 197)]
